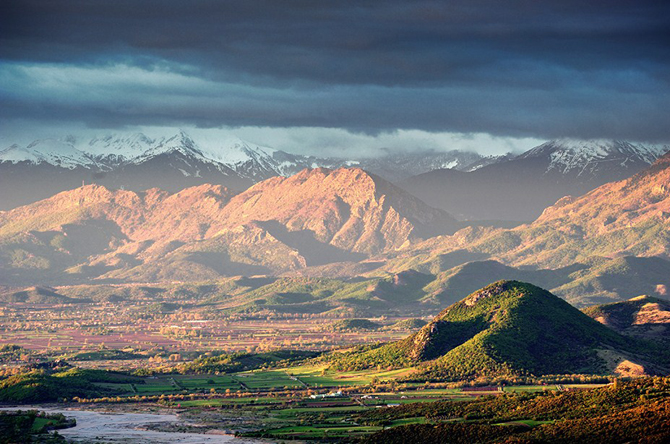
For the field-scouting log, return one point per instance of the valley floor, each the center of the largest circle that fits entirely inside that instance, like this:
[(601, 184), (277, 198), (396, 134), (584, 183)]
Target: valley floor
[(300, 402)]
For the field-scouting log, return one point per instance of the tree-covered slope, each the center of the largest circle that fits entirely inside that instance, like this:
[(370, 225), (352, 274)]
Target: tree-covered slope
[(634, 411), (52, 384)]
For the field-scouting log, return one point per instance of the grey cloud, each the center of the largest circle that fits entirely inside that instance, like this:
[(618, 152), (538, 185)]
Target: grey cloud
[(518, 68), (119, 95)]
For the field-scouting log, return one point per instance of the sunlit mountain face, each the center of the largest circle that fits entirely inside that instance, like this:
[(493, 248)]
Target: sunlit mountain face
[(315, 217)]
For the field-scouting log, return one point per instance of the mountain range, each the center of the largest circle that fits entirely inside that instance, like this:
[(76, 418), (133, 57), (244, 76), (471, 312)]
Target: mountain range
[(465, 184), (315, 217), (173, 162), (372, 245)]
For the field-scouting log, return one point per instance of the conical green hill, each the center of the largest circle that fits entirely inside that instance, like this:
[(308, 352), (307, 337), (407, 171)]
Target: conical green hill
[(511, 327)]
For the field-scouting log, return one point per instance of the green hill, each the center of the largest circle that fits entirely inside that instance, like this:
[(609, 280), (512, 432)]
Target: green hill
[(401, 288), (107, 354), (238, 362), (39, 295), (354, 325), (49, 385), (510, 328)]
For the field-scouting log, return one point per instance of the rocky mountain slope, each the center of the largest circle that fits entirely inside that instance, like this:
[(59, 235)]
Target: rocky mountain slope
[(314, 217), (625, 218), (629, 217)]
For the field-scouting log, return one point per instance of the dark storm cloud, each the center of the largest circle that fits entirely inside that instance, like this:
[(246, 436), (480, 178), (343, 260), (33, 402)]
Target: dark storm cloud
[(520, 68)]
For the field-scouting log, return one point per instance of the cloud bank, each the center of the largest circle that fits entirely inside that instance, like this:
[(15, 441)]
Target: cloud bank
[(518, 69)]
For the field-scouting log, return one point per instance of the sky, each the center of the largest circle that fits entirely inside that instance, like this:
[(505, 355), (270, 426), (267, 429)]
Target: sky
[(322, 77)]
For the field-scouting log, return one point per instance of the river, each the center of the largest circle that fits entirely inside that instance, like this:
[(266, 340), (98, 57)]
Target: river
[(127, 428)]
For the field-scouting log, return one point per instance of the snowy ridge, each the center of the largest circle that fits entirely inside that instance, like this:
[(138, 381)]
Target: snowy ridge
[(228, 156), (587, 156), (53, 151), (112, 151), (236, 157), (122, 146)]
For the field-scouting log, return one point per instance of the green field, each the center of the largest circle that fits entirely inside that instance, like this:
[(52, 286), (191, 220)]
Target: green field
[(298, 402), (40, 423), (267, 380)]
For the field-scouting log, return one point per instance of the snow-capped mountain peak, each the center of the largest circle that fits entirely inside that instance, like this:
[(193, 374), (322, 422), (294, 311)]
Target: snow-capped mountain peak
[(114, 150), (127, 146), (53, 151), (179, 143), (570, 156), (233, 151)]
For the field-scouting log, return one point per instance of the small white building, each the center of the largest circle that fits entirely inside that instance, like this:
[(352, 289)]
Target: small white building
[(337, 394)]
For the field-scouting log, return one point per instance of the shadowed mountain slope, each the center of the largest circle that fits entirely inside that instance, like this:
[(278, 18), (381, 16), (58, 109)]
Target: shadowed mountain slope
[(618, 219), (520, 188)]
